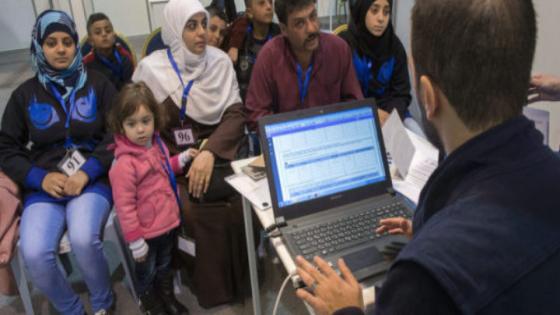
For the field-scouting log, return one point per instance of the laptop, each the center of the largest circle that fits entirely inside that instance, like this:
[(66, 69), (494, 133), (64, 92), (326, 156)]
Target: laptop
[(330, 184)]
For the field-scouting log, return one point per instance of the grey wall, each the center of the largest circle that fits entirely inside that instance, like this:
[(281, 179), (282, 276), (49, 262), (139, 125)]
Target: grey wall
[(16, 21)]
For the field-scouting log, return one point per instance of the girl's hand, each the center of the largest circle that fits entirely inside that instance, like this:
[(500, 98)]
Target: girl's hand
[(54, 183), (200, 173), (192, 153), (186, 156), (139, 249), (76, 183)]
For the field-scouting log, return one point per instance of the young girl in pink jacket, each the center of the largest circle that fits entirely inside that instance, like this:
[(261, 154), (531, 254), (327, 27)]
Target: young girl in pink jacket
[(145, 194)]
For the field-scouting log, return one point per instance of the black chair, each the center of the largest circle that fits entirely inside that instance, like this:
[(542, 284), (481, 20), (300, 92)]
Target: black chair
[(153, 42)]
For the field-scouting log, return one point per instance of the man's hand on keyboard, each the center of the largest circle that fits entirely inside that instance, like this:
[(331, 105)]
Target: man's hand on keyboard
[(327, 291), (395, 226)]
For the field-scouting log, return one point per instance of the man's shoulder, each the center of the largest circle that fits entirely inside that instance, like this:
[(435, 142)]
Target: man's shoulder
[(274, 46), (273, 52)]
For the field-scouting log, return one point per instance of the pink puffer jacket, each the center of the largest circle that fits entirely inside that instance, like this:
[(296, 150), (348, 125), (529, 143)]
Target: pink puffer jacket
[(145, 203)]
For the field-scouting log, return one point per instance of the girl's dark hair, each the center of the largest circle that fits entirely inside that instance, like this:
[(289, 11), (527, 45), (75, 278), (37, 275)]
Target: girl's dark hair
[(128, 101), (215, 11)]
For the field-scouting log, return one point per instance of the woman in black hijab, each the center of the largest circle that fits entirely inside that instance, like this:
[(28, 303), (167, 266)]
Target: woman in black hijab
[(379, 56)]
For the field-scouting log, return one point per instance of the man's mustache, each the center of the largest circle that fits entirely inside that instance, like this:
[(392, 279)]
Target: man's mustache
[(312, 37)]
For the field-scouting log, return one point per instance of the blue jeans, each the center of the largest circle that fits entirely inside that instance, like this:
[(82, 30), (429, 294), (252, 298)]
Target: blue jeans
[(42, 226), (158, 263)]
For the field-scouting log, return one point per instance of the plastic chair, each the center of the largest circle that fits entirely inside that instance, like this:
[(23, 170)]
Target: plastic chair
[(111, 234), (85, 46), (153, 42), (341, 28)]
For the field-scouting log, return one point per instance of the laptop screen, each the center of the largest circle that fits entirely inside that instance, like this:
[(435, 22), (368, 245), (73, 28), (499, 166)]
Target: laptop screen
[(326, 154)]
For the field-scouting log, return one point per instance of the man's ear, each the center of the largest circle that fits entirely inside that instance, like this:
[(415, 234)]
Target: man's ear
[(429, 95)]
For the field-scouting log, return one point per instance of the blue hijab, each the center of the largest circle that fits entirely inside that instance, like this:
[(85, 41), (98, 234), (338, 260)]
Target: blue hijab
[(73, 77)]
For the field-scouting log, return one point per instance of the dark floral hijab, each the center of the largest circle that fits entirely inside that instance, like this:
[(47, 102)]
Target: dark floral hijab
[(74, 77)]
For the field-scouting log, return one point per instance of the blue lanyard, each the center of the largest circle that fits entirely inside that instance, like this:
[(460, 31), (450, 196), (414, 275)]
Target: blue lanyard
[(250, 33), (116, 69), (68, 111), (303, 84), (186, 89), (169, 172)]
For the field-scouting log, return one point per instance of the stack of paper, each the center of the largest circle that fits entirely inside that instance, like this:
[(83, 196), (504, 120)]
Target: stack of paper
[(256, 191), (413, 157)]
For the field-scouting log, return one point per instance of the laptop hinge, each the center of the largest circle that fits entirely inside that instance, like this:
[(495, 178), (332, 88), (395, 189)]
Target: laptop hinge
[(280, 221), (391, 191)]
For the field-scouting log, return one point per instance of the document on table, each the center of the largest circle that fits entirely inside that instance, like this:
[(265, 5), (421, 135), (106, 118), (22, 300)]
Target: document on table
[(398, 144), (256, 191), (414, 157)]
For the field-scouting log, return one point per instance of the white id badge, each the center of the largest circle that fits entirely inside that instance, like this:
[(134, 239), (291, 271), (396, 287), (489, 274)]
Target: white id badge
[(71, 163), (184, 136), (187, 245)]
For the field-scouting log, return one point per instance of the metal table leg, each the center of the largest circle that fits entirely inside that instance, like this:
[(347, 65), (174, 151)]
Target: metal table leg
[(247, 217)]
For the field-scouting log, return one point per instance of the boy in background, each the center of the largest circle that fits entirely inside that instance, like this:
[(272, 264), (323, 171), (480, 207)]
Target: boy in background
[(247, 36), (107, 56)]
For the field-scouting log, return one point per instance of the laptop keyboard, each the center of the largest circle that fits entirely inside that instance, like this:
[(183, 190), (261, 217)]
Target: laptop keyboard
[(327, 238)]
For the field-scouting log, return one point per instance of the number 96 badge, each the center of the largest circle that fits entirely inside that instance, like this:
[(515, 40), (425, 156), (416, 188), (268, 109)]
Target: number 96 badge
[(184, 136)]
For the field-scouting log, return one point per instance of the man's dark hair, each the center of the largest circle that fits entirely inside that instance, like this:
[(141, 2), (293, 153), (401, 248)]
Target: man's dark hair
[(95, 17), (478, 52), (215, 11), (284, 7)]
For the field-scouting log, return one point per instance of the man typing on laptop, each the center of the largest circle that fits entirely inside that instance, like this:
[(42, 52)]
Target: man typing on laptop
[(485, 233)]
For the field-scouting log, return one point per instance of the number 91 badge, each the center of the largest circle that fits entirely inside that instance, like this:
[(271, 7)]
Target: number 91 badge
[(71, 163)]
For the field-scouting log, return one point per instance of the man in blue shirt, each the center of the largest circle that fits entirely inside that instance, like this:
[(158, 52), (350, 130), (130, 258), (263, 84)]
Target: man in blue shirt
[(485, 238)]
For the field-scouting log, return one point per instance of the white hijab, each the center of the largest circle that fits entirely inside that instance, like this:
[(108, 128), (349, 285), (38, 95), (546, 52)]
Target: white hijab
[(215, 84)]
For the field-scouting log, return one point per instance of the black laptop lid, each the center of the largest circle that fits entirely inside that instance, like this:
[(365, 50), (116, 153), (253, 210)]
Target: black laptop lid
[(323, 157)]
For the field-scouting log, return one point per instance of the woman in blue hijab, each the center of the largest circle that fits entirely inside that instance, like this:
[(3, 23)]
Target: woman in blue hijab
[(54, 145)]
